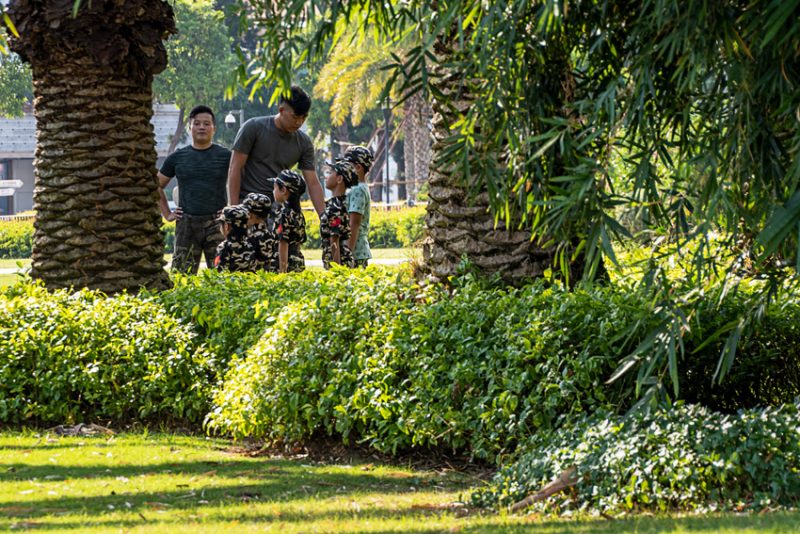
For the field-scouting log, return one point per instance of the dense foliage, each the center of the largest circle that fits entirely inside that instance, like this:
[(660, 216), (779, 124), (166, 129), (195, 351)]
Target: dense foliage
[(87, 357), (564, 115), (16, 85), (680, 458)]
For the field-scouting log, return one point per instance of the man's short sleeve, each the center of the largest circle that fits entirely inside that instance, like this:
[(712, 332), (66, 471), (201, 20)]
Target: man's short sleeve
[(358, 201), (246, 137), (306, 162), (168, 167)]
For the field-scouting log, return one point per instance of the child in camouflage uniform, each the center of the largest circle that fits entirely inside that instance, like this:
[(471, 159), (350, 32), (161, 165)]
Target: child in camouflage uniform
[(235, 253), (290, 225), (334, 223), (261, 236)]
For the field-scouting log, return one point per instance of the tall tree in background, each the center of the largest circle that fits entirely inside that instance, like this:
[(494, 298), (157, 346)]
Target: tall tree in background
[(200, 60), (93, 63), (354, 78), (16, 85)]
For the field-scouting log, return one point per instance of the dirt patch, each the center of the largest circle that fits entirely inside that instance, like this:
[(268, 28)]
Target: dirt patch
[(329, 450)]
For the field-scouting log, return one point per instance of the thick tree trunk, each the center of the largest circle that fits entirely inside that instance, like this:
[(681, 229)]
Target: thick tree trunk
[(462, 227), (97, 222), (417, 142), (97, 225)]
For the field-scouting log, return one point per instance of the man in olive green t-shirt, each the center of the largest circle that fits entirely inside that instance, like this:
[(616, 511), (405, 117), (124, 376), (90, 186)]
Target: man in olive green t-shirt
[(202, 172)]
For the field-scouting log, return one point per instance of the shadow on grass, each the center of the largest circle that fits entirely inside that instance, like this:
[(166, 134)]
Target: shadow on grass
[(210, 485), (211, 515)]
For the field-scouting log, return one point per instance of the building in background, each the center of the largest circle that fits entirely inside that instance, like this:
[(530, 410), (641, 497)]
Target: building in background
[(18, 144)]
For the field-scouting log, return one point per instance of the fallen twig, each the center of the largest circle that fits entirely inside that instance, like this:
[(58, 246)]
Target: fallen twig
[(565, 480)]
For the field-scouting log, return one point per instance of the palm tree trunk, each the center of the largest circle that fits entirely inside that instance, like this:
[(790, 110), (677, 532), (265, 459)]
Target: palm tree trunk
[(97, 222), (462, 227), (95, 196), (417, 142)]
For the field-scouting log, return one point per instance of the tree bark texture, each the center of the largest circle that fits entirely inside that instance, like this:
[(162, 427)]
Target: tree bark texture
[(462, 226), (417, 113), (97, 222)]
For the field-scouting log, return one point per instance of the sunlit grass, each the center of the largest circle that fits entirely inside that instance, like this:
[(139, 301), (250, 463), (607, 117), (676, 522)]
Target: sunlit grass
[(166, 483)]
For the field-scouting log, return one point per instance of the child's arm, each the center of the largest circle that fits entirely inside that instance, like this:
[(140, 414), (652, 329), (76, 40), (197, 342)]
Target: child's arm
[(336, 252), (283, 256), (355, 227)]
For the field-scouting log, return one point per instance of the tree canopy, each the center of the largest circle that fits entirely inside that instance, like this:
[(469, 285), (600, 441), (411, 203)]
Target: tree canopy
[(16, 85), (684, 114), (200, 58)]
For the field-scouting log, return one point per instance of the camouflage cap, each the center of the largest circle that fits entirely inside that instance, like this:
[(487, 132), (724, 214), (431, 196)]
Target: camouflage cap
[(258, 204), (360, 155), (292, 181), (346, 170), (236, 216)]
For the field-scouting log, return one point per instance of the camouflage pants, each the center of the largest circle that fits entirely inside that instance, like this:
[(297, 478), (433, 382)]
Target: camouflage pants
[(297, 262), (195, 235)]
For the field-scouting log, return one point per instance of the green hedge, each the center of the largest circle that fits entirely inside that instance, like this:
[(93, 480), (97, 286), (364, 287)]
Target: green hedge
[(473, 368), (77, 357), (684, 458), (388, 229), (370, 355), (16, 239)]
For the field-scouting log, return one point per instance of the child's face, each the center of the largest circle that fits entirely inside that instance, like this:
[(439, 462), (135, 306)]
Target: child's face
[(332, 180), (226, 228), (253, 219), (280, 193)]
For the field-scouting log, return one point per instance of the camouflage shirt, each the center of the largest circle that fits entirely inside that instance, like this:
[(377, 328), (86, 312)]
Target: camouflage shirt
[(235, 254), (335, 221), (290, 226), (265, 247)]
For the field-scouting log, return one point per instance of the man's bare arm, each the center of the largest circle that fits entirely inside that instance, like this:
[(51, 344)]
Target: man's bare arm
[(315, 191), (163, 204), (238, 159)]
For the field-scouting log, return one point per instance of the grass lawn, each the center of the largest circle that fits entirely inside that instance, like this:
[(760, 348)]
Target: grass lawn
[(165, 483)]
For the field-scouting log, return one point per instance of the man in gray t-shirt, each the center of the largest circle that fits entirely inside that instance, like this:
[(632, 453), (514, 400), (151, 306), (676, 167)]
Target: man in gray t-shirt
[(265, 146)]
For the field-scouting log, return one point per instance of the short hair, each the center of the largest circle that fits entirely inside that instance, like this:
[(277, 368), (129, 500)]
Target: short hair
[(299, 100), (197, 110)]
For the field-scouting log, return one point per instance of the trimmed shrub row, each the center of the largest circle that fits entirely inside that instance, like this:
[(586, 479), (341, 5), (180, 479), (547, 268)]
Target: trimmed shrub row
[(16, 239), (76, 357), (387, 229), (369, 355)]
